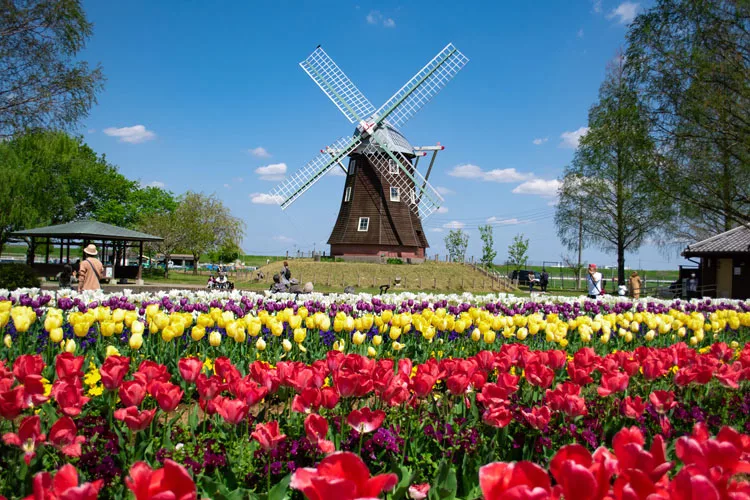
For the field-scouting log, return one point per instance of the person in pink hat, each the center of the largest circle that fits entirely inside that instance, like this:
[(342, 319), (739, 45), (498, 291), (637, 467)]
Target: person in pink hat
[(91, 270), (594, 282)]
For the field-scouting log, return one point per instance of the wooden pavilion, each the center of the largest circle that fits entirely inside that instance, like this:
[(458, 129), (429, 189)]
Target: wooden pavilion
[(112, 243)]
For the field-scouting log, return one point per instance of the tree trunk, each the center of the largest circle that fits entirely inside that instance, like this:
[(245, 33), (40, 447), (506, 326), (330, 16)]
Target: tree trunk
[(195, 263), (167, 258)]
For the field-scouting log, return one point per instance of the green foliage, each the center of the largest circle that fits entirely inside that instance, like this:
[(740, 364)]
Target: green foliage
[(488, 250), (229, 252), (606, 191), (138, 204), (14, 276), (517, 252), (44, 83), (456, 242), (689, 61), (394, 261), (167, 226)]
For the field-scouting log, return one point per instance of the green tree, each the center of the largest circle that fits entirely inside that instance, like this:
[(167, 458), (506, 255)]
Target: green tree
[(690, 61), (228, 252), (208, 224), (167, 226), (517, 252), (488, 250), (43, 82), (53, 178), (570, 219), (139, 203), (610, 174), (456, 242)]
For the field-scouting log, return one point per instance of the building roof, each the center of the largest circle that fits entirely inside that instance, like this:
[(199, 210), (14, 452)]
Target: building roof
[(88, 230), (392, 138), (735, 240)]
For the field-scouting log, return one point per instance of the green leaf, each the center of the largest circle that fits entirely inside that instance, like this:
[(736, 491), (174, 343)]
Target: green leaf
[(402, 487), (445, 486), (278, 492)]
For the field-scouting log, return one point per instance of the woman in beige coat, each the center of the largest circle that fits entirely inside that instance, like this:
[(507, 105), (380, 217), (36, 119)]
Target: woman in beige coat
[(635, 285), (90, 271)]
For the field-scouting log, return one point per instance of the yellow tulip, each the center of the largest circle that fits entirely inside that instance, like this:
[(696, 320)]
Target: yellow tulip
[(107, 329), (295, 322), (299, 335), (52, 322), (137, 327), (377, 340), (339, 345), (476, 335), (56, 335), (4, 317), (310, 322), (151, 310), (161, 321), (429, 333), (8, 341), (371, 352), (260, 344), (70, 346), (358, 338), (214, 339), (5, 305), (197, 333), (240, 336), (81, 329), (394, 332), (136, 341), (277, 328), (522, 333), (650, 335), (111, 351), (286, 345), (489, 336), (325, 324), (167, 334), (397, 346)]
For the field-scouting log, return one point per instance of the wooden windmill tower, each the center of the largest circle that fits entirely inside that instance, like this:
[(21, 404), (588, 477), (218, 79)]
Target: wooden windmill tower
[(385, 197)]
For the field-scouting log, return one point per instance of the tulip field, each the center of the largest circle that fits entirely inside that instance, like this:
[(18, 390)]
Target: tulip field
[(234, 395)]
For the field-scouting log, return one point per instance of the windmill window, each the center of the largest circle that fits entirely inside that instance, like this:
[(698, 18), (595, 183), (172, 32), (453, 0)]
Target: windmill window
[(348, 194), (395, 194), (364, 224), (352, 167), (393, 167)]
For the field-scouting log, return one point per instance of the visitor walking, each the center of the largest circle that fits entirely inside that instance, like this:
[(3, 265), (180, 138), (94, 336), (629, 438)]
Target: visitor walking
[(635, 285), (65, 276), (286, 274), (532, 281), (594, 282), (692, 287), (91, 270), (544, 281)]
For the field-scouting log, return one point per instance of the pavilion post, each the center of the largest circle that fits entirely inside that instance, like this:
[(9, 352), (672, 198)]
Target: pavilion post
[(46, 251), (61, 251), (30, 252), (139, 279)]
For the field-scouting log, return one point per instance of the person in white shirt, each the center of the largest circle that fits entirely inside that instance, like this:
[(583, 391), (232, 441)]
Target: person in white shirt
[(594, 282)]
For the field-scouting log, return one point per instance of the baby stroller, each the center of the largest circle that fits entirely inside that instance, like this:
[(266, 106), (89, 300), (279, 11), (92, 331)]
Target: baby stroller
[(220, 283)]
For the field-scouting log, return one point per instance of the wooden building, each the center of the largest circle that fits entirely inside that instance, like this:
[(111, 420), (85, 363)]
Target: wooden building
[(724, 267)]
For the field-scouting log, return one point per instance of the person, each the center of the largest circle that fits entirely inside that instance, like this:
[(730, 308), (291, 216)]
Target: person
[(286, 273), (278, 286), (210, 284), (308, 288), (545, 280), (692, 287), (532, 281), (91, 270), (635, 285), (65, 276), (594, 282), (261, 275)]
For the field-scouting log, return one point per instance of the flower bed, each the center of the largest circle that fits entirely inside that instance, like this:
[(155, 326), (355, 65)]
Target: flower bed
[(232, 394)]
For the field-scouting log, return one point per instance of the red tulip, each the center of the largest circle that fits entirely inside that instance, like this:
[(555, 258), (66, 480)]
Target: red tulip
[(151, 370), (69, 398), (365, 420), (29, 435), (190, 368), (12, 402), (268, 435), (329, 397), (663, 401), (497, 416), (612, 383), (225, 369), (172, 482), (316, 428), (135, 420), (208, 387), (33, 391), (113, 371), (343, 476), (26, 365), (493, 394), (63, 435), (69, 366), (132, 392), (168, 396), (500, 480), (64, 486), (307, 401), (539, 375), (538, 418), (691, 486), (233, 411), (419, 491), (633, 407)]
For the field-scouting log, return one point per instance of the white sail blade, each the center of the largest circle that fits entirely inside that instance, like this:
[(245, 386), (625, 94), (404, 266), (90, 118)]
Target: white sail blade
[(398, 171), (301, 180), (422, 87), (337, 86)]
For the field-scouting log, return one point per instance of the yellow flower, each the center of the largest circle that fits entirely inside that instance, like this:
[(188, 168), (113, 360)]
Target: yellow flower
[(214, 339), (92, 376), (136, 341), (476, 335), (299, 335), (107, 328), (96, 390), (377, 340), (397, 346), (358, 338), (137, 327), (489, 336), (111, 351), (197, 332), (339, 345), (286, 345), (260, 344), (371, 351), (70, 346), (208, 364)]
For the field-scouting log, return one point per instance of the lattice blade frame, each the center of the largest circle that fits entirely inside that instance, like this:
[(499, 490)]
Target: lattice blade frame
[(305, 177), (337, 86), (422, 198), (422, 87)]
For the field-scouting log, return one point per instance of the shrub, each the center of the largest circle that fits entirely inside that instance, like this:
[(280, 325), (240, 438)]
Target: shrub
[(394, 261), (14, 276)]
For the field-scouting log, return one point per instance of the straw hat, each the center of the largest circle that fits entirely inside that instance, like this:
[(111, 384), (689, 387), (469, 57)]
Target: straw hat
[(90, 250)]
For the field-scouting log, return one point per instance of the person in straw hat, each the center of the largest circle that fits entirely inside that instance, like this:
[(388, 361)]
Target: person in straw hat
[(91, 270)]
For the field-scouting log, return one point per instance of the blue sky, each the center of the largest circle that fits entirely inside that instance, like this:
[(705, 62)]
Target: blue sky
[(200, 95)]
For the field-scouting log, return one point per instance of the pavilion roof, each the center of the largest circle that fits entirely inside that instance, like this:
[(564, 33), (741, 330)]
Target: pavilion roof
[(88, 230)]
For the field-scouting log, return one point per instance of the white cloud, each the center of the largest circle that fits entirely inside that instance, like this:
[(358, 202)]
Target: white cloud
[(272, 172), (238, 179), (133, 135), (442, 210), (284, 239), (579, 34), (259, 152), (503, 222), (597, 6), (444, 190), (376, 17), (454, 224), (436, 230), (227, 186), (538, 187), (91, 131), (625, 12), (154, 184), (470, 171), (540, 140), (265, 199), (571, 139)]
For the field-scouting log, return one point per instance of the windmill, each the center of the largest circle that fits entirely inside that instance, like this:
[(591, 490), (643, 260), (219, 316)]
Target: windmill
[(385, 197)]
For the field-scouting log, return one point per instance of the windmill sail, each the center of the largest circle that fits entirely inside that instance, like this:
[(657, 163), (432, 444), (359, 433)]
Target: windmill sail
[(299, 182), (422, 87), (337, 86)]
